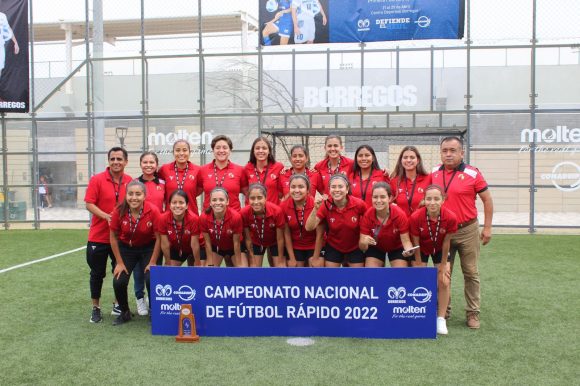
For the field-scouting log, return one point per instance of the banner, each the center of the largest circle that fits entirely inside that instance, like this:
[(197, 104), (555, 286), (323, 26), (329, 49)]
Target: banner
[(354, 302), (336, 21), (14, 90)]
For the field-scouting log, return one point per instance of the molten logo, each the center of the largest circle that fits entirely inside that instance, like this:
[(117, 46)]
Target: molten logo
[(194, 138)]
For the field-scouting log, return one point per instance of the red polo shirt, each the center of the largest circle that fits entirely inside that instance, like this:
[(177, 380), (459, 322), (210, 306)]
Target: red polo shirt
[(419, 227), (187, 182), (389, 234), (105, 194), (155, 192), (232, 178), (301, 239), (406, 191), (179, 235), (268, 177), (462, 186), (274, 219), (232, 224), (363, 189), (313, 176), (343, 224), (322, 168), (141, 235)]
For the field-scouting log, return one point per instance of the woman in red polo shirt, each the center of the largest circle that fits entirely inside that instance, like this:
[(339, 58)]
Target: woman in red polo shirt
[(342, 216), (431, 228), (134, 238), (222, 173), (384, 231), (409, 180), (179, 230), (333, 163), (365, 173), (221, 227), (263, 228), (155, 188), (302, 246), (263, 169), (300, 159), (181, 174)]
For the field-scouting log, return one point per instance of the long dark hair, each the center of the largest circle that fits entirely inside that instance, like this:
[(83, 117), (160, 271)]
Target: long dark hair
[(253, 159), (399, 170), (124, 206), (374, 165)]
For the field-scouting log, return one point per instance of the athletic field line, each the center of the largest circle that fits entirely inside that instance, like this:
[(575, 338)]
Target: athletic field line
[(42, 259)]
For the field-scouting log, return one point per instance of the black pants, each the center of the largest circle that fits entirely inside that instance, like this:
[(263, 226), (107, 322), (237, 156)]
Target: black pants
[(97, 256), (130, 256)]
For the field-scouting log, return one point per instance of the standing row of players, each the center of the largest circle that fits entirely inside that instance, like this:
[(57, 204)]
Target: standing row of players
[(361, 216)]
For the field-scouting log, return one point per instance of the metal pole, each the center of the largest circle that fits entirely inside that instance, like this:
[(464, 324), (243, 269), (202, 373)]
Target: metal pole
[(293, 80), (98, 85), (397, 70), (89, 104), (533, 107), (34, 127), (144, 84), (362, 83), (431, 86), (201, 62), (468, 86), (4, 170), (261, 89)]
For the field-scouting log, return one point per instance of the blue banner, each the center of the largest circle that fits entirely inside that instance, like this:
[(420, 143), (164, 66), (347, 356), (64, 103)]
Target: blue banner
[(333, 21), (356, 302)]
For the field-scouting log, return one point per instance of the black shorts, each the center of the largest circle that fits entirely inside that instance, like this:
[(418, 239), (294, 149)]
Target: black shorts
[(436, 257), (260, 251), (174, 255), (222, 252), (396, 254), (303, 254), (333, 255)]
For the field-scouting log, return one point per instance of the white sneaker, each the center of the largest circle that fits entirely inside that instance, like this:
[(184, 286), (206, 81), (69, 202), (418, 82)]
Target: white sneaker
[(441, 326), (142, 308)]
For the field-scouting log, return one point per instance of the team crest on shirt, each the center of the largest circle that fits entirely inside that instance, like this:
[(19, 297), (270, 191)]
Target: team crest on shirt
[(191, 177), (169, 232), (354, 184), (331, 219), (231, 175), (149, 224), (442, 231), (420, 190), (158, 187), (421, 229), (230, 232), (289, 218), (272, 225), (187, 232), (354, 219), (125, 222), (273, 176), (171, 178), (395, 231), (373, 182), (210, 175), (461, 176)]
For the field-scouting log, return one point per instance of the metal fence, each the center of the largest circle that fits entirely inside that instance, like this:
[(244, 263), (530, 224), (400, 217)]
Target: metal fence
[(195, 69)]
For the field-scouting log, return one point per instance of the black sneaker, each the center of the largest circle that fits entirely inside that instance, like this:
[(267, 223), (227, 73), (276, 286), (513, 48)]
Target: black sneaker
[(116, 311), (124, 317), (96, 315)]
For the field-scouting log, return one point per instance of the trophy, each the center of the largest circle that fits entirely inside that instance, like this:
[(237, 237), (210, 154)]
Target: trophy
[(187, 330)]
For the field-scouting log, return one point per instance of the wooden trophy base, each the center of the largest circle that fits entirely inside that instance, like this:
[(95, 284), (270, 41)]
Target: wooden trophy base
[(187, 330)]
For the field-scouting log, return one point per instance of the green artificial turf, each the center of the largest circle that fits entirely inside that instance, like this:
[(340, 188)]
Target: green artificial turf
[(529, 330)]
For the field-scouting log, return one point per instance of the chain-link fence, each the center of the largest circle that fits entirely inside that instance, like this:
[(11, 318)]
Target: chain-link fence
[(195, 69)]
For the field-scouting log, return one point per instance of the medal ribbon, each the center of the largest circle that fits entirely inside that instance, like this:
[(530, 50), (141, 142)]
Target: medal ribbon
[(180, 184), (132, 228), (434, 240)]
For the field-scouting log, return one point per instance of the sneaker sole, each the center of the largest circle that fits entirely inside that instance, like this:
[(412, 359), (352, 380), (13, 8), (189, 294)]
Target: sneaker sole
[(96, 321)]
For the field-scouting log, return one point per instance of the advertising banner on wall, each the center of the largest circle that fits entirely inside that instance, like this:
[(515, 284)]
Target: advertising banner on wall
[(336, 21), (14, 80), (363, 302)]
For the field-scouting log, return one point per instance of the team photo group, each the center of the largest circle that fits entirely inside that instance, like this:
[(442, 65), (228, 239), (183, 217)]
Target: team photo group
[(341, 213)]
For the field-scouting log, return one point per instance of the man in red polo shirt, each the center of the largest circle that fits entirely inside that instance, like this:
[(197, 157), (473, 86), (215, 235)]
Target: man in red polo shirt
[(462, 184), (104, 192)]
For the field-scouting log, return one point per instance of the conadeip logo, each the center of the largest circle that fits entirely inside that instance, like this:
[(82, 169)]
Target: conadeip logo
[(185, 293), (423, 21), (420, 295), (565, 176)]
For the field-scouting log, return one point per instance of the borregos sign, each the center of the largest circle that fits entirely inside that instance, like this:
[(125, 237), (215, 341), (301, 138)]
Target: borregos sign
[(356, 96)]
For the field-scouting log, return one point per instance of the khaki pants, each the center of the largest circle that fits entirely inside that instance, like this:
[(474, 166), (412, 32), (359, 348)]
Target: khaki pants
[(466, 242)]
